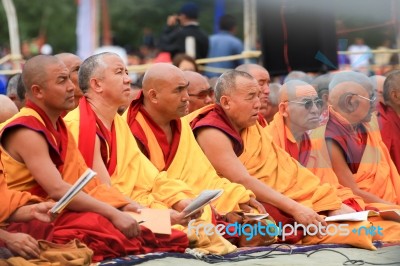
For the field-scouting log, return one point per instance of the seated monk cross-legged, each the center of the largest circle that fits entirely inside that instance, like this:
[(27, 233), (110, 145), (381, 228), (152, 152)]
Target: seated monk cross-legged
[(167, 140), (242, 151), (298, 114), (39, 155)]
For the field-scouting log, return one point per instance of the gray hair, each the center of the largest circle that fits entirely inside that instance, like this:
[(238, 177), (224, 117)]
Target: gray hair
[(93, 65), (226, 83), (350, 76), (391, 83), (273, 97)]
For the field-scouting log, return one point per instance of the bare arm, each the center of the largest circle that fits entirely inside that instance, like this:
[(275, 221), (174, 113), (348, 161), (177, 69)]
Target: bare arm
[(39, 211), (31, 148), (220, 153), (345, 176)]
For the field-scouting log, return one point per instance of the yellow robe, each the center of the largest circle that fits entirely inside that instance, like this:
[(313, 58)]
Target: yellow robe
[(191, 166), (376, 173), (272, 165), (135, 176), (18, 176), (319, 162)]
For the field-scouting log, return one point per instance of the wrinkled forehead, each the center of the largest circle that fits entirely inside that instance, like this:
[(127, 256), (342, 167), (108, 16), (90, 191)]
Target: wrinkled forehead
[(291, 92)]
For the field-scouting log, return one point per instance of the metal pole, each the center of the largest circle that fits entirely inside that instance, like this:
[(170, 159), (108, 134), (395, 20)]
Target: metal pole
[(13, 32), (250, 26)]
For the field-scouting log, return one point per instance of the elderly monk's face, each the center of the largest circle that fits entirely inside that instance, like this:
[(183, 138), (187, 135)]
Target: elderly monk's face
[(244, 103), (304, 109), (58, 89), (263, 79), (200, 92), (172, 96), (115, 81), (73, 63), (363, 101)]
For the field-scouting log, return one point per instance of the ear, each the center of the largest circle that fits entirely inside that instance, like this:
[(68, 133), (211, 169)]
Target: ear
[(395, 97), (225, 102), (37, 91), (350, 103), (95, 85), (282, 108), (152, 95), (325, 98)]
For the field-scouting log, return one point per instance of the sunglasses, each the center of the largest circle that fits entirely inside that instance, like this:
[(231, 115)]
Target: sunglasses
[(203, 94), (308, 104)]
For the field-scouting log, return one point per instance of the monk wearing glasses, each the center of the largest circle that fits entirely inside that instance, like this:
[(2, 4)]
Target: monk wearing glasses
[(199, 91)]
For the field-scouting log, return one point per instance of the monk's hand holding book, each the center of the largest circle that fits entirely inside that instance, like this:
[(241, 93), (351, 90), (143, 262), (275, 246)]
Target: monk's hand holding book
[(41, 211)]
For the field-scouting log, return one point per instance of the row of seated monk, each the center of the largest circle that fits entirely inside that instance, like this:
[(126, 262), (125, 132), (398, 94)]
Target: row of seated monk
[(158, 155)]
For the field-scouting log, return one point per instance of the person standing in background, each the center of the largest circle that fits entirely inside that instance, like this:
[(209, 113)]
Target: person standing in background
[(224, 43), (184, 35)]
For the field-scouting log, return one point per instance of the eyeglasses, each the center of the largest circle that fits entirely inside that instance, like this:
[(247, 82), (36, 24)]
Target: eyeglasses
[(308, 104), (373, 98), (203, 94)]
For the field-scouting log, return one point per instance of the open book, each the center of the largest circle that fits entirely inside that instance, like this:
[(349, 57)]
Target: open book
[(202, 200), (393, 215), (157, 220), (71, 193)]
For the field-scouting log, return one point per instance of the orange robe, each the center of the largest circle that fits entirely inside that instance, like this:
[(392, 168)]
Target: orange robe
[(272, 165), (366, 156), (93, 229), (313, 155), (389, 123), (131, 172), (183, 159)]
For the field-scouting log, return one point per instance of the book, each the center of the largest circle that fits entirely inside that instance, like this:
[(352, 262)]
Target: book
[(393, 215), (202, 200), (157, 220), (72, 192)]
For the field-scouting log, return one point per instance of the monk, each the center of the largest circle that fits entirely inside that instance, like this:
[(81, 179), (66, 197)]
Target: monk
[(377, 83), (14, 91), (389, 116), (72, 62), (246, 154), (359, 157), (7, 108), (299, 110), (155, 121), (199, 90), (263, 79), (107, 145), (37, 147), (321, 85)]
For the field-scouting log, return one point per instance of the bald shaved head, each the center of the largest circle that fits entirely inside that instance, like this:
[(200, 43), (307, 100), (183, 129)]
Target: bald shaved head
[(350, 82), (249, 67), (351, 94), (34, 71), (165, 92), (7, 108), (295, 89), (159, 75)]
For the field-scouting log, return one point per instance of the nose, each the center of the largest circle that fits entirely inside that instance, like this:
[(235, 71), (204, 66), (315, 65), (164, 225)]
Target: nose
[(208, 100), (70, 85), (185, 95), (314, 109), (127, 78), (257, 103), (266, 89)]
